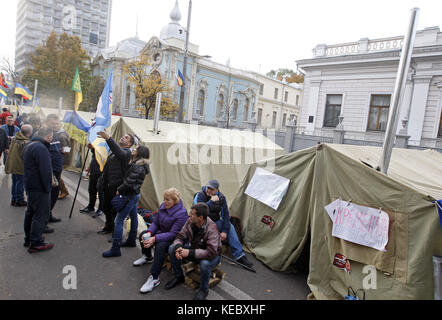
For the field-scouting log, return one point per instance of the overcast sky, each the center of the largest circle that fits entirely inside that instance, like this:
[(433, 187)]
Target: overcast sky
[(259, 35)]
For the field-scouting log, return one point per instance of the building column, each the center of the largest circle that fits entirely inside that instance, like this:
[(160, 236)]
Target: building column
[(418, 108), (312, 106)]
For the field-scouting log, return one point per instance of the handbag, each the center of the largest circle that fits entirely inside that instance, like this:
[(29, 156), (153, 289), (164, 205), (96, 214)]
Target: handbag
[(119, 202)]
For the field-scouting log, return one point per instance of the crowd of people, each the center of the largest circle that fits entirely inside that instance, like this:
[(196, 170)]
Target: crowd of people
[(36, 154)]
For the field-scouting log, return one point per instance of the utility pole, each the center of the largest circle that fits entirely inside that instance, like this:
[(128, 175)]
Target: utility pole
[(186, 53)]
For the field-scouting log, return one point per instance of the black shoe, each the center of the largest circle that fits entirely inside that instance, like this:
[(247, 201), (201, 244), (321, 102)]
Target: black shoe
[(201, 295), (104, 231), (87, 210), (243, 260), (48, 230), (97, 213), (26, 244), (174, 282), (13, 203), (53, 219)]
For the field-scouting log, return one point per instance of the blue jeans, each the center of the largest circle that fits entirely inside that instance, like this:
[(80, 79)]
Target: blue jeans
[(36, 217), (129, 210), (17, 190), (232, 239), (206, 267)]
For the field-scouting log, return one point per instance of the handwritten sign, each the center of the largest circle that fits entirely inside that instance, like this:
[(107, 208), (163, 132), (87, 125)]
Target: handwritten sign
[(359, 224)]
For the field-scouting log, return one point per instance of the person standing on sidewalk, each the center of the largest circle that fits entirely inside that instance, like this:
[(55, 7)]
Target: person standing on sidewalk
[(130, 188), (64, 139), (113, 174), (11, 130), (14, 165), (38, 184), (94, 175)]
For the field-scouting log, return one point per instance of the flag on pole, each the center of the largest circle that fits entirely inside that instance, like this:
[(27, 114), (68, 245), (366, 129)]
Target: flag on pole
[(23, 91), (3, 82), (102, 120), (76, 87), (76, 127), (180, 78)]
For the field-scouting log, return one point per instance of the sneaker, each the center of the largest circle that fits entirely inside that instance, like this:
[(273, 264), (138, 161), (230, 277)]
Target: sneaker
[(150, 284), (172, 283), (86, 210), (243, 260), (142, 260), (97, 213), (201, 295), (43, 247)]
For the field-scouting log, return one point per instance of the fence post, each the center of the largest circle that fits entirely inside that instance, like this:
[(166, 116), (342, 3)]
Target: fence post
[(289, 136), (338, 134)]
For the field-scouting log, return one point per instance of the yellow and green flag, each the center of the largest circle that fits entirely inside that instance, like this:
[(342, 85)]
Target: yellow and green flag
[(76, 87)]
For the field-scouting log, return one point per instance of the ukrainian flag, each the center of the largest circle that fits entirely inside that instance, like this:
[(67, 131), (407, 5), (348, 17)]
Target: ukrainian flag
[(76, 127), (180, 78), (3, 93), (102, 120), (23, 91)]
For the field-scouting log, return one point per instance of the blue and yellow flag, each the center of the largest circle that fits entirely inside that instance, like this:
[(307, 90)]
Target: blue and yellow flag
[(3, 93), (180, 78), (23, 91), (102, 120), (76, 127)]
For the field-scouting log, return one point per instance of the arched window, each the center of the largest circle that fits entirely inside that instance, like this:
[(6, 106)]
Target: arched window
[(220, 105), (200, 103), (127, 104), (246, 110), (235, 109)]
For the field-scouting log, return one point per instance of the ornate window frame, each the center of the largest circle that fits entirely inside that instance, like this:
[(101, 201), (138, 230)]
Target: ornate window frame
[(204, 86)]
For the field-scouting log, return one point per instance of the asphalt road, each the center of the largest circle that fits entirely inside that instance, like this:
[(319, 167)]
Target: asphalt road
[(77, 244)]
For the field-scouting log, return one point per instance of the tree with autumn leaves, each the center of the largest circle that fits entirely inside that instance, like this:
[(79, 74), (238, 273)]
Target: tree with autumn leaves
[(147, 85), (53, 65), (286, 75)]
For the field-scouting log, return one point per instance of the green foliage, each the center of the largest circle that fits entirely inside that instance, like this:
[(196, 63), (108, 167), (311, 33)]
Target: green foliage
[(53, 65)]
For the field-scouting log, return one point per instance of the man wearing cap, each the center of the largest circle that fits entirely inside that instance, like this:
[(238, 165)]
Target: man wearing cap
[(219, 213)]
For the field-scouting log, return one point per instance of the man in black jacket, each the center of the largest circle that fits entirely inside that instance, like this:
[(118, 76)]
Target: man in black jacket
[(38, 184), (113, 174)]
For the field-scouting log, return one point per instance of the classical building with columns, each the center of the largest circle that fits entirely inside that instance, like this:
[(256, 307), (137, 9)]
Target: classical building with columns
[(216, 94), (351, 85)]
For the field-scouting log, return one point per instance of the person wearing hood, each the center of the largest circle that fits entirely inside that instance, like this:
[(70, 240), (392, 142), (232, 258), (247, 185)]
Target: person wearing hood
[(131, 187), (14, 165), (166, 224)]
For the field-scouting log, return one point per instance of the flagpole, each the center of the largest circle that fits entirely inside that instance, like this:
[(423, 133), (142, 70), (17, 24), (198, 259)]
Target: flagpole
[(35, 94), (79, 182)]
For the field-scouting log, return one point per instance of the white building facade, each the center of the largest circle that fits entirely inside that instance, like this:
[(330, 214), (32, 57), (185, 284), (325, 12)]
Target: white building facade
[(278, 102), (353, 83)]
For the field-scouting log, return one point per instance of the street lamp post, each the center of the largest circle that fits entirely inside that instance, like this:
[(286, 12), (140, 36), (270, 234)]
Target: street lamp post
[(186, 53)]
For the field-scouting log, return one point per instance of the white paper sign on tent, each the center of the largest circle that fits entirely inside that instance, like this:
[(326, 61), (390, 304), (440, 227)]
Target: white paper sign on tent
[(359, 224), (268, 188)]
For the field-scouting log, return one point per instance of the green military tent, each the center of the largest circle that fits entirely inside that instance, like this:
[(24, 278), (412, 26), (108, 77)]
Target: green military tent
[(324, 173)]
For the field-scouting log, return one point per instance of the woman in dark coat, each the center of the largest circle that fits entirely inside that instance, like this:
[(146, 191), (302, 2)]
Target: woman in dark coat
[(131, 186)]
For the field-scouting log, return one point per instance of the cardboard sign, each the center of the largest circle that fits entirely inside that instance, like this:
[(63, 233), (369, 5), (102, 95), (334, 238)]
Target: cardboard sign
[(267, 187), (359, 224)]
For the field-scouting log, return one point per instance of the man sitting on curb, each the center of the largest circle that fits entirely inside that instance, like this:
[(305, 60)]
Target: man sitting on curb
[(219, 213), (198, 240)]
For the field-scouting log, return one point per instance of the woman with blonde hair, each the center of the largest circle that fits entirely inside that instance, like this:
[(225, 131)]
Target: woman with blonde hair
[(166, 224)]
